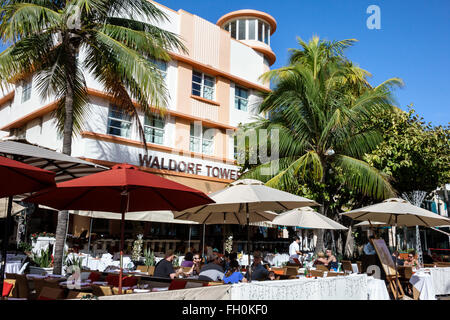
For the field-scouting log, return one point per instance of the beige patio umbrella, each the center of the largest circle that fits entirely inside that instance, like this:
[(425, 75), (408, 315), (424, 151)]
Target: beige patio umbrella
[(3, 208), (242, 199), (371, 224), (307, 217), (397, 212)]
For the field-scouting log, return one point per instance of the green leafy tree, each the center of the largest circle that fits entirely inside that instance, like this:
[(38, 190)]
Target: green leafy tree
[(58, 41), (320, 104), (416, 154)]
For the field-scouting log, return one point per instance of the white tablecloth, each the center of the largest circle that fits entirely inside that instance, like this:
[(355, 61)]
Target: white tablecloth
[(275, 260), (100, 264), (13, 266), (423, 282), (441, 280), (376, 289), (352, 287), (42, 243)]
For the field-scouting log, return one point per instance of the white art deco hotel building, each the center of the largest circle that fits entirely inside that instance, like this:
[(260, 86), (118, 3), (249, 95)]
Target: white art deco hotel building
[(216, 84)]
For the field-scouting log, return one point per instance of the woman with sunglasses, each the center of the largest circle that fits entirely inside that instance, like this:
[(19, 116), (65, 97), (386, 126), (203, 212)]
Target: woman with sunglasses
[(195, 269)]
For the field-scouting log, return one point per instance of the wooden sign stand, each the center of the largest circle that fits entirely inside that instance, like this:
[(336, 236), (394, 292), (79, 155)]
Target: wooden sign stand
[(389, 268)]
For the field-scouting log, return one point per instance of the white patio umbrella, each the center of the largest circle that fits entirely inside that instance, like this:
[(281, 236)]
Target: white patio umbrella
[(371, 224), (242, 199), (397, 212), (306, 217)]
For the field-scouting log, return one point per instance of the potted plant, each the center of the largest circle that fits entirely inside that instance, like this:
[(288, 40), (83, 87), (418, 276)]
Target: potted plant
[(149, 261), (43, 263)]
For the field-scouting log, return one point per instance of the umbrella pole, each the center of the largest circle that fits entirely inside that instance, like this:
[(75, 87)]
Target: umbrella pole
[(122, 231), (189, 241), (5, 243), (248, 246), (89, 243), (396, 273), (203, 252)]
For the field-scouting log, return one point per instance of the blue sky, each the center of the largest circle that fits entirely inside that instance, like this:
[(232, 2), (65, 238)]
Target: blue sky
[(412, 44)]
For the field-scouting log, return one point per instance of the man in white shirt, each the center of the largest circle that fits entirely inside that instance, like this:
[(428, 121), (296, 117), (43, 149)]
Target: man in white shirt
[(294, 249)]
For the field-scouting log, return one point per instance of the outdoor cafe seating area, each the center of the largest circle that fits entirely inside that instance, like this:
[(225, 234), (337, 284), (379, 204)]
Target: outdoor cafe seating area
[(125, 189)]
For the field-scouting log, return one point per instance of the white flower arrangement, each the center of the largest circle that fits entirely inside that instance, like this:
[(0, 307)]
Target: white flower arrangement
[(229, 244), (137, 248)]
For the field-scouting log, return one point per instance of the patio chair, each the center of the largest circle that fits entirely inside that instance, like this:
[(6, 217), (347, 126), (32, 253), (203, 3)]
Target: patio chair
[(291, 271), (22, 285), (48, 293), (100, 291), (321, 267), (347, 266), (39, 284), (125, 290), (9, 288), (359, 264), (186, 269), (317, 273), (142, 269)]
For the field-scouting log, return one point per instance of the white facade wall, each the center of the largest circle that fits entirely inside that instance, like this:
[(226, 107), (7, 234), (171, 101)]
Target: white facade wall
[(246, 62)]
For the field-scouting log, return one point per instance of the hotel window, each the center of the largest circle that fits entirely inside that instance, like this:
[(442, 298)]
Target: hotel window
[(119, 122), (202, 85), (26, 90), (240, 98), (251, 29), (200, 140), (161, 66), (266, 33), (154, 129)]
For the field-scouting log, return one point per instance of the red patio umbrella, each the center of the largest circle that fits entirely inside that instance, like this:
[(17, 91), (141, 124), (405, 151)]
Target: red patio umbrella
[(17, 178), (123, 189)]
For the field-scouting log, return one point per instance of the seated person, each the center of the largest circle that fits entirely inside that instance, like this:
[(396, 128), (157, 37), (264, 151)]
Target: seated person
[(196, 266), (369, 250), (258, 271), (229, 257), (188, 260), (397, 259), (272, 276), (411, 261), (213, 271), (320, 259), (233, 274), (331, 261), (436, 258), (164, 268)]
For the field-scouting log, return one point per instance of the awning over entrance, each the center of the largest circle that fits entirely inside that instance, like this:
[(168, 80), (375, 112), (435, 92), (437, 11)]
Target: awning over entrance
[(65, 167)]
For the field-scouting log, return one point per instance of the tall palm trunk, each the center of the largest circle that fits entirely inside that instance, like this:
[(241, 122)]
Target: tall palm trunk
[(63, 216)]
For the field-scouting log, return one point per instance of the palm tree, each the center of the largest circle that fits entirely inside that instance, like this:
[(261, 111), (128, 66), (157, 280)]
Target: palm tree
[(113, 40), (320, 105)]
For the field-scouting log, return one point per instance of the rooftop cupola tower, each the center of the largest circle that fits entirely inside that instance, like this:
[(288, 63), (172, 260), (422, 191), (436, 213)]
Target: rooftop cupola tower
[(252, 27)]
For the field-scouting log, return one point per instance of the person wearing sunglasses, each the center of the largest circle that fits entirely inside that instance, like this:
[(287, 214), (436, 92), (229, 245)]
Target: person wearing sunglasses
[(411, 261)]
